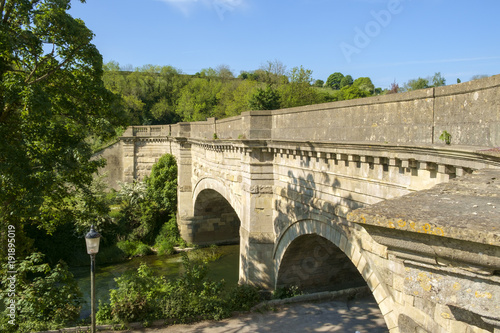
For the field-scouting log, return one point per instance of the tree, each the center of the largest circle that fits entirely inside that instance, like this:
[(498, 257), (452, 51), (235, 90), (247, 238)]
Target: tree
[(234, 96), (394, 89), (162, 183), (264, 99), (207, 72), (198, 99), (273, 72), (47, 297), (416, 84), (300, 75), (224, 72), (50, 102), (346, 81), (438, 80), (319, 83), (364, 84), (334, 80), (352, 92)]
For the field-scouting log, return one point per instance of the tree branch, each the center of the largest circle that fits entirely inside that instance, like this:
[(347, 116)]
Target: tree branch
[(8, 9), (2, 5), (52, 71), (37, 64)]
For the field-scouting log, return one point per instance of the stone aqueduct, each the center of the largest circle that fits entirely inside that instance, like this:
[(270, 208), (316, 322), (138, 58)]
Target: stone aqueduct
[(307, 192)]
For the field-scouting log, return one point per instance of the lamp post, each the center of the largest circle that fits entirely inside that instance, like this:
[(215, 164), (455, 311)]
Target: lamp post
[(92, 240)]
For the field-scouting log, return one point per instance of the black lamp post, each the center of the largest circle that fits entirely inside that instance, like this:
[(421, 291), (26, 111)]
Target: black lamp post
[(92, 240)]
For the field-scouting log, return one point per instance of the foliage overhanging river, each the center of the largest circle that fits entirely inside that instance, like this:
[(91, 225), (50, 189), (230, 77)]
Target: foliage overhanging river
[(226, 267)]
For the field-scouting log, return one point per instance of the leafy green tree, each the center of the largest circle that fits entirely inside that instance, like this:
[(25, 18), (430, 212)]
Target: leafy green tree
[(50, 102), (298, 91), (346, 81), (162, 183), (438, 80), (146, 206), (148, 95), (334, 80), (234, 96), (352, 92), (252, 75), (47, 297), (300, 75), (198, 99), (364, 84), (319, 83), (265, 99), (416, 84)]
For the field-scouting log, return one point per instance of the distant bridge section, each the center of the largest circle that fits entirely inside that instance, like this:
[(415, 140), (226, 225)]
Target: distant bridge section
[(308, 193)]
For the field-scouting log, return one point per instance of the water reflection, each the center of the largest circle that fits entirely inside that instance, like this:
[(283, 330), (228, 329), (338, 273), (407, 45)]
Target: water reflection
[(170, 266)]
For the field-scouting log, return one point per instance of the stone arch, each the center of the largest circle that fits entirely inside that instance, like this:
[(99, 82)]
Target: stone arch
[(346, 243), (208, 183), (215, 219)]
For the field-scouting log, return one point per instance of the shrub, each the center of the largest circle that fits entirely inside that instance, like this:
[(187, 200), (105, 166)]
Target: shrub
[(46, 297), (194, 297), (286, 292), (168, 237), (143, 296), (242, 297), (134, 248), (138, 297), (103, 314)]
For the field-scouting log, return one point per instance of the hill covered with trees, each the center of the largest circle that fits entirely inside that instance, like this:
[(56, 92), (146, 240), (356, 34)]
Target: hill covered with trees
[(152, 95), (163, 94)]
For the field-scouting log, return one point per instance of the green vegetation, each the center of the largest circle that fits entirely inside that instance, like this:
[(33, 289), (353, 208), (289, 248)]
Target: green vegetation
[(446, 137), (142, 296), (47, 297), (435, 81), (286, 292), (138, 219), (51, 100), (162, 95)]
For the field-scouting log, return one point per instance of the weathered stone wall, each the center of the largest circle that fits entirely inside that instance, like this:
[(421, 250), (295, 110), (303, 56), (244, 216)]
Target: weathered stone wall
[(113, 171), (147, 153), (468, 111), (397, 118), (443, 254), (230, 128)]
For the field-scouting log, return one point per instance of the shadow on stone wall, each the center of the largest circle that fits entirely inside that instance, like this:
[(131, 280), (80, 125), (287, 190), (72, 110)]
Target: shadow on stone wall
[(312, 262)]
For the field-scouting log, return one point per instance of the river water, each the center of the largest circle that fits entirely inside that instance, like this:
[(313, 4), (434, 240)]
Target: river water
[(226, 267)]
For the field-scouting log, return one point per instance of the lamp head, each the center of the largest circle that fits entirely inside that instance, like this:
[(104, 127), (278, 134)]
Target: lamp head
[(92, 240)]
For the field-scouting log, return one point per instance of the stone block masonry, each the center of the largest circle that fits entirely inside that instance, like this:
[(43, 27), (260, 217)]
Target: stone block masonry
[(447, 240)]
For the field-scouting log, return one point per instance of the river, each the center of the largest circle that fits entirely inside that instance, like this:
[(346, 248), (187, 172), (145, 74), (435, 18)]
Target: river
[(226, 267)]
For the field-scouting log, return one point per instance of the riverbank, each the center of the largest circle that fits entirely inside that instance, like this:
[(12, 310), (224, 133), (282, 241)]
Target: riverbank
[(352, 310), (170, 266)]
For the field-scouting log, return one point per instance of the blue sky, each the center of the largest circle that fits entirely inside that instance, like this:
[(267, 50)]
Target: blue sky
[(386, 40)]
